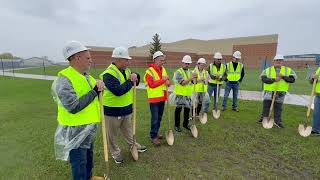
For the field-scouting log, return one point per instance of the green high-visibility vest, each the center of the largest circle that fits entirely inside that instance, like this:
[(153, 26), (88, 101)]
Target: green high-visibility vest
[(214, 71), (185, 90), (201, 86), (111, 100), (281, 85), (234, 75), (318, 83), (81, 86), (158, 91)]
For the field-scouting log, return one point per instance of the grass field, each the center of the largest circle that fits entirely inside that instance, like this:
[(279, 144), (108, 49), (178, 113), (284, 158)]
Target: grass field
[(233, 147), (251, 80)]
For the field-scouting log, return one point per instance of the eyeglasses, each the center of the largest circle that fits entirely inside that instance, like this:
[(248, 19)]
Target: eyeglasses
[(187, 63), (278, 59)]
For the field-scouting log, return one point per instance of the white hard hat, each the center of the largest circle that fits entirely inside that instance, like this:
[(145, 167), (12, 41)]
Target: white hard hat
[(73, 47), (217, 55), (201, 61), (120, 52), (186, 59), (278, 56), (157, 54), (237, 54)]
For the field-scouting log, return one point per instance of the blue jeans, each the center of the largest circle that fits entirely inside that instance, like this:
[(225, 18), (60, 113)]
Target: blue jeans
[(316, 114), (212, 89), (81, 161), (156, 116), (235, 89)]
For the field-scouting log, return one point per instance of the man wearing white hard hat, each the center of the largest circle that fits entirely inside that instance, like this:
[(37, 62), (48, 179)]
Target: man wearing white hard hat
[(76, 94), (235, 74), (157, 82), (276, 78), (217, 76), (316, 109), (118, 100), (202, 82), (183, 91)]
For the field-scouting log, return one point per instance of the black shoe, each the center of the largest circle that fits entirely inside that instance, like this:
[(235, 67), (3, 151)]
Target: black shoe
[(177, 129), (187, 128), (119, 160), (142, 149), (223, 109), (315, 133), (235, 109), (260, 120), (279, 124)]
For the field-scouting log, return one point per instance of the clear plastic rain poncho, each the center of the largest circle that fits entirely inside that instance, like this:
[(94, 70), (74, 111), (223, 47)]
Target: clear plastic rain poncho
[(186, 101), (67, 138)]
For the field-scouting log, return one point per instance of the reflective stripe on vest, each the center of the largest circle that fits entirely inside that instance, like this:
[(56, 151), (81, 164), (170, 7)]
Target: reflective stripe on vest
[(318, 83), (81, 86), (185, 90), (234, 75), (201, 86), (283, 86), (111, 100), (214, 71), (158, 91)]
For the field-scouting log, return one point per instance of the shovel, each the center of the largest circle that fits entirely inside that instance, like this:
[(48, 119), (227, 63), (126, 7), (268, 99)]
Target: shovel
[(169, 133), (203, 117), (304, 129), (134, 149), (216, 111), (105, 142), (193, 127), (267, 122)]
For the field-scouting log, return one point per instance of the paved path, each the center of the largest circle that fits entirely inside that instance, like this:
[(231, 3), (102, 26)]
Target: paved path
[(301, 100)]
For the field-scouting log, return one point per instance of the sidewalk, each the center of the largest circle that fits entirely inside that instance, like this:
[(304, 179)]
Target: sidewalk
[(294, 99)]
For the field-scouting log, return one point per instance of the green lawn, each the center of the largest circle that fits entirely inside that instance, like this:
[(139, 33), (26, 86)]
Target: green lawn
[(233, 147), (251, 80)]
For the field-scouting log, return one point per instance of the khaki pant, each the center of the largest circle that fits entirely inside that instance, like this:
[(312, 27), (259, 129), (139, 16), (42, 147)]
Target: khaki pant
[(115, 123)]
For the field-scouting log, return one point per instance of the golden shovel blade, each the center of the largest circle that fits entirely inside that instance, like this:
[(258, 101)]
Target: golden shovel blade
[(267, 122), (216, 114), (99, 178), (204, 118), (304, 131), (170, 137), (194, 131), (134, 152)]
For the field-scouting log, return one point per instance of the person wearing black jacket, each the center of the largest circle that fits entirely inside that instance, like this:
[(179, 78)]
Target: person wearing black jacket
[(117, 105)]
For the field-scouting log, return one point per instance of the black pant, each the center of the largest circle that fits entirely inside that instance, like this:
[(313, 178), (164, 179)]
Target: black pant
[(277, 110), (185, 115)]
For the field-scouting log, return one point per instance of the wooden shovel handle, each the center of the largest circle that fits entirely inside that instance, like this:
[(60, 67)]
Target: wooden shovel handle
[(103, 126), (311, 97), (134, 108)]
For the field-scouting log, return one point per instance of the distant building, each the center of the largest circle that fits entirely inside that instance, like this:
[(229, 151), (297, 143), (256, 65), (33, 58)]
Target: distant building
[(302, 60), (254, 50), (37, 62)]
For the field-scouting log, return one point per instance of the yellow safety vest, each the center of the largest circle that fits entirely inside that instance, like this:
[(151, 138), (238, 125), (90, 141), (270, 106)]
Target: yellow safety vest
[(185, 90), (111, 100), (205, 74), (318, 83), (158, 91), (283, 86), (214, 71), (234, 75), (88, 115)]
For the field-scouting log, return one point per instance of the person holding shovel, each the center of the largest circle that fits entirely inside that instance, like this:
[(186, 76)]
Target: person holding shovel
[(316, 109), (217, 77), (75, 92), (183, 90), (276, 78), (157, 82), (202, 80), (118, 99)]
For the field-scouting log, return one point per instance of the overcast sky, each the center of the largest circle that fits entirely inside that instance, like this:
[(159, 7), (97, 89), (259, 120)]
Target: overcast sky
[(42, 27)]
